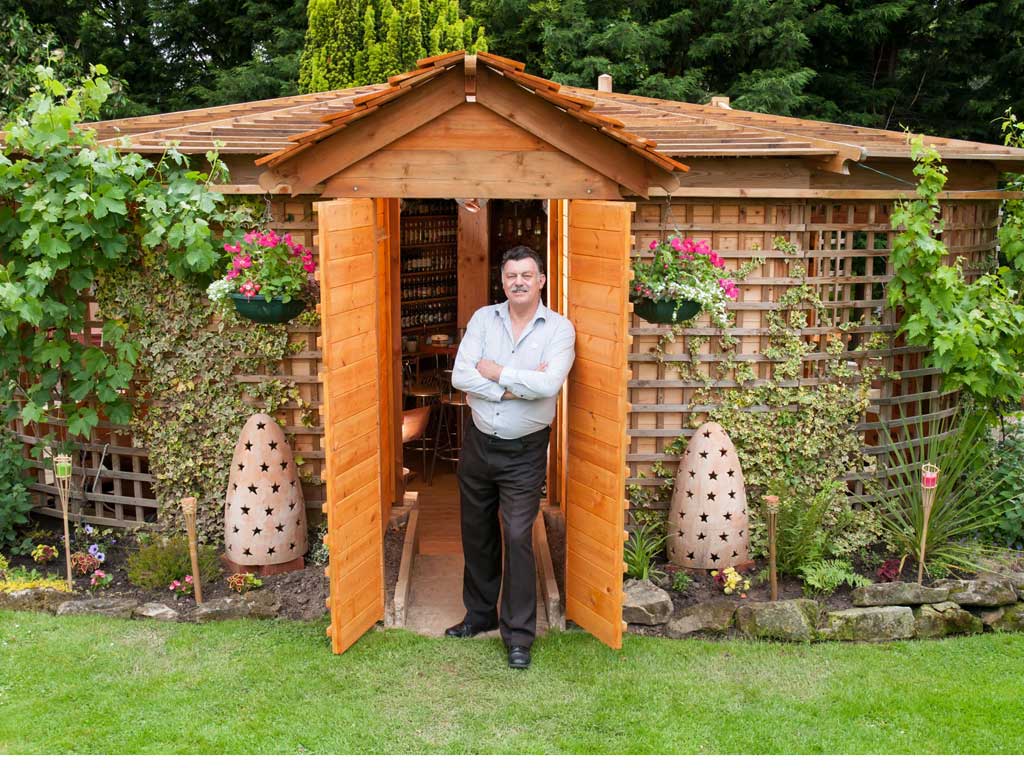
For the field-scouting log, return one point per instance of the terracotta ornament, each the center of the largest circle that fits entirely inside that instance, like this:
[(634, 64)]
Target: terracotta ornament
[(264, 515), (707, 521)]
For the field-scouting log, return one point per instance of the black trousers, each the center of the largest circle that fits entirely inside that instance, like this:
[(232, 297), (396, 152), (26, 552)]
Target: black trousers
[(506, 475)]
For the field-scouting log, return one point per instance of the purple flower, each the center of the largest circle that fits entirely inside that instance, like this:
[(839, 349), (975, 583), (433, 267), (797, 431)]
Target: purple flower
[(94, 549), (101, 557), (89, 529)]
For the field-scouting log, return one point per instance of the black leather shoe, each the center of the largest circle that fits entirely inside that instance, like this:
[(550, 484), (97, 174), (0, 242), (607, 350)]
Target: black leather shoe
[(519, 657), (465, 629)]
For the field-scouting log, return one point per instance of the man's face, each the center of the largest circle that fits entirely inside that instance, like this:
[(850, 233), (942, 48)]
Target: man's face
[(523, 281)]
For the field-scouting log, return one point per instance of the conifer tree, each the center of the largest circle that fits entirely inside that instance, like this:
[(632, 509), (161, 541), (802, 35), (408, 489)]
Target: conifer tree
[(411, 45), (368, 57), (392, 59), (333, 37)]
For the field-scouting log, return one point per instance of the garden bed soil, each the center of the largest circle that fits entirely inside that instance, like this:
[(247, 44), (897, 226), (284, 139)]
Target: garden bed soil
[(302, 594)]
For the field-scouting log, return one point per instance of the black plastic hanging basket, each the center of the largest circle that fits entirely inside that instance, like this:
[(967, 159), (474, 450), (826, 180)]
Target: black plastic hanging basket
[(664, 312), (259, 310)]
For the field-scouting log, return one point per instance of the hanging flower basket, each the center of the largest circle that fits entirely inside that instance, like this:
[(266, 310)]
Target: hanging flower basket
[(259, 310), (664, 311), (680, 277), (269, 280)]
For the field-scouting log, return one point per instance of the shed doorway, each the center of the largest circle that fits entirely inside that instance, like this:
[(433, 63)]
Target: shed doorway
[(449, 267), (360, 300)]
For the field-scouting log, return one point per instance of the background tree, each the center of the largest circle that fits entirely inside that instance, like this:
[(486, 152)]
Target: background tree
[(389, 39)]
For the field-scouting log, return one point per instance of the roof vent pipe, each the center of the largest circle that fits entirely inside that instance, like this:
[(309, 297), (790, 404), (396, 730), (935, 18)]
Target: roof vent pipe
[(720, 101), (604, 83)]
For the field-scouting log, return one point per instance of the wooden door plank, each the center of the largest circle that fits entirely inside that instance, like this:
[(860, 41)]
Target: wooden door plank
[(597, 404), (351, 376)]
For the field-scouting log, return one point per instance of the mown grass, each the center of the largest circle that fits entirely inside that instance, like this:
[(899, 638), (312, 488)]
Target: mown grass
[(89, 685)]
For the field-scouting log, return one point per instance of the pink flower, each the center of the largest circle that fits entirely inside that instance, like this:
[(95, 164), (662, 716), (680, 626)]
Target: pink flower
[(688, 245), (717, 260), (174, 585), (250, 237), (676, 243), (249, 288), (233, 273), (242, 262), (236, 248), (729, 288), (309, 266), (188, 579), (653, 245)]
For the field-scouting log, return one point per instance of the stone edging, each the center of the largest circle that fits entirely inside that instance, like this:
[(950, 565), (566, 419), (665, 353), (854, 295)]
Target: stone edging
[(881, 612), (257, 605)]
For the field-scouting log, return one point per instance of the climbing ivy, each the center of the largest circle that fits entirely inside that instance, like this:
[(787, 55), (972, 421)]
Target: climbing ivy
[(802, 435), (71, 212), (188, 359), (975, 330)]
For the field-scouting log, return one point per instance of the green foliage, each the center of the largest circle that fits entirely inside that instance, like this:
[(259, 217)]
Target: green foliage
[(681, 581), (826, 576), (318, 552), (188, 359), (155, 566), (639, 552), (975, 330), (384, 39), (15, 502), (796, 434), (1008, 457), (71, 212), (968, 501), (804, 532)]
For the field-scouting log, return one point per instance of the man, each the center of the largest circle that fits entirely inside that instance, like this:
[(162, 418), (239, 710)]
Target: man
[(511, 364)]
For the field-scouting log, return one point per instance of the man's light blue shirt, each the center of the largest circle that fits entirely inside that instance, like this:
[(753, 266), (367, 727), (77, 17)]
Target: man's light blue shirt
[(547, 338)]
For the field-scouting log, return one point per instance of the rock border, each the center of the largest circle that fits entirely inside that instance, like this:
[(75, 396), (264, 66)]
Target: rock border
[(882, 612)]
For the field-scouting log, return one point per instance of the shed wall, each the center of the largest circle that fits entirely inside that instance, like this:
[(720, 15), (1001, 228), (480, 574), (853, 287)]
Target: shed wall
[(844, 246)]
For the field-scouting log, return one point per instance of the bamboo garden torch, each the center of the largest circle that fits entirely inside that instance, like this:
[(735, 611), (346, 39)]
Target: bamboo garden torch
[(62, 472), (929, 485), (772, 504), (188, 508)]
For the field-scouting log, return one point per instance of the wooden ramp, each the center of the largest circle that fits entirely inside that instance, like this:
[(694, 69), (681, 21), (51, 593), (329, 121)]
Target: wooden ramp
[(434, 572)]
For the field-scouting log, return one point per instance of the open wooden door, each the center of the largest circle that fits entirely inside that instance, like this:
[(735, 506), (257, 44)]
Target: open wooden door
[(598, 272), (352, 391)]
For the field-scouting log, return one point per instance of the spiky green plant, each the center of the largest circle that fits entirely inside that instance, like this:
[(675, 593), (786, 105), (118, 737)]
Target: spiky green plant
[(639, 553), (967, 500)]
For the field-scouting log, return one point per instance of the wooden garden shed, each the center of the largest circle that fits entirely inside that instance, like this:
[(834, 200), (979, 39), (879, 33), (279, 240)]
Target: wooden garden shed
[(610, 167)]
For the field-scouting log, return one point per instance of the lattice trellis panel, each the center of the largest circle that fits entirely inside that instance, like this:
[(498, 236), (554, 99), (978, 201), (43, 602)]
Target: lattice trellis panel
[(844, 248)]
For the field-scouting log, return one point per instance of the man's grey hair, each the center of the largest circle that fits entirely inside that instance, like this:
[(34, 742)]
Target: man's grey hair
[(522, 252)]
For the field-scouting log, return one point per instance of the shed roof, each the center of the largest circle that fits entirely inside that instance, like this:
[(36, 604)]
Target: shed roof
[(677, 129)]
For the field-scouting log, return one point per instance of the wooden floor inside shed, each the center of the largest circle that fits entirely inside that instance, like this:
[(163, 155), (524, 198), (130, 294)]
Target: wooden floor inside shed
[(435, 585)]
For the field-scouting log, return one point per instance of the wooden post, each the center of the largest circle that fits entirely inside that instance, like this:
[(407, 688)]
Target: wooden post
[(929, 485), (62, 471), (188, 507), (772, 503)]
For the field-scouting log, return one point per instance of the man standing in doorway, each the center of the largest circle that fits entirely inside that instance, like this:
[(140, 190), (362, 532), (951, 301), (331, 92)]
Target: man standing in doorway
[(511, 364)]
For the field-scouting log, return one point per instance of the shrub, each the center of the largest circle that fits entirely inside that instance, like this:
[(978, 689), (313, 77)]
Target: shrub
[(968, 500), (157, 565), (826, 576), (1008, 456), (15, 502), (802, 535), (639, 553), (681, 581)]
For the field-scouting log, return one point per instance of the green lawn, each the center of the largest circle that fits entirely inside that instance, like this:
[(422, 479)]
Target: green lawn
[(87, 685)]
